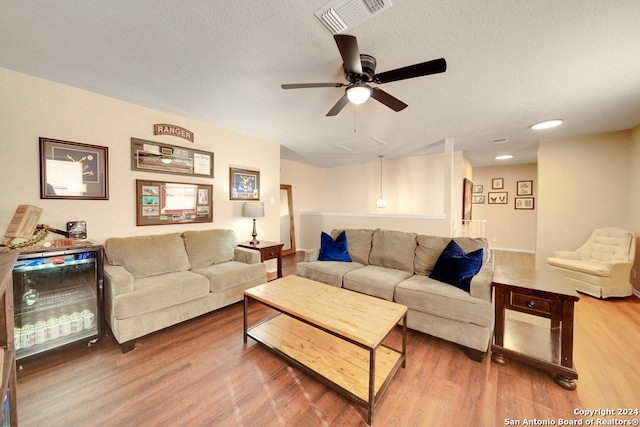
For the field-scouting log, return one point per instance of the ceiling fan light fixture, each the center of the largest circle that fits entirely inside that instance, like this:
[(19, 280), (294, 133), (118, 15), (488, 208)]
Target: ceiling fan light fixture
[(547, 124), (358, 93)]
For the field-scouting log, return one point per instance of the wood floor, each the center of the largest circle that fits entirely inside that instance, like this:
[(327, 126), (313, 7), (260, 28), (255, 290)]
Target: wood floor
[(200, 373)]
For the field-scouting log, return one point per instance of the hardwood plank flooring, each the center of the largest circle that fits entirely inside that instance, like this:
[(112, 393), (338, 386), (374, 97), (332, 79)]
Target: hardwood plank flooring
[(200, 373)]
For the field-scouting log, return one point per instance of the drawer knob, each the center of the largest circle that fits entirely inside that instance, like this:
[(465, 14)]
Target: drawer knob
[(531, 304)]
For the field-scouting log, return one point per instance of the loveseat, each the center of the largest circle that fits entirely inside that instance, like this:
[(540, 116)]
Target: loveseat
[(601, 267), (152, 282), (396, 266)]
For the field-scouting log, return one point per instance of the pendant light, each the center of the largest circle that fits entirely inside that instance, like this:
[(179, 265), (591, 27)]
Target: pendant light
[(381, 203)]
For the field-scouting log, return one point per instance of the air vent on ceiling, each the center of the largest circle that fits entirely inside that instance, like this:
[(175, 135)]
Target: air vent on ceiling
[(340, 15), (500, 140)]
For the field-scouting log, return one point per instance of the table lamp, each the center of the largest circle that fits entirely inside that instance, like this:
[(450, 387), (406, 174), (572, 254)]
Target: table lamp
[(253, 210)]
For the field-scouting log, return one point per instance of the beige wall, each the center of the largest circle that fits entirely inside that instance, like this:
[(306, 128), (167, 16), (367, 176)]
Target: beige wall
[(422, 193), (31, 108), (634, 180), (506, 227), (584, 183)]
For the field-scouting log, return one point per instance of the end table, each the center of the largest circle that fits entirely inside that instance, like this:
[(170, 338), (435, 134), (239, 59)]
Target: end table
[(268, 250), (538, 293)]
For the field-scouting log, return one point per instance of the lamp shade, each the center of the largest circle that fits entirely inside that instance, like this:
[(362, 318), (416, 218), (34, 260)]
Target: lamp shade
[(253, 209)]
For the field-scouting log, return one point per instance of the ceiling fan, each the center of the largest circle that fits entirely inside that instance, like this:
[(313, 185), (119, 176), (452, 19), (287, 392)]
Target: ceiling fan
[(359, 70)]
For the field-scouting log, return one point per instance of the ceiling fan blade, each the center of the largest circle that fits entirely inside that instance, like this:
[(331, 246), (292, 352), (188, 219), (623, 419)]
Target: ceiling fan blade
[(308, 85), (390, 101), (348, 47), (339, 106), (430, 67)]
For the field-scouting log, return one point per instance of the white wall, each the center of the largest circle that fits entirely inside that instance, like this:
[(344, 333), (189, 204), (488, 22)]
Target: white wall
[(31, 108)]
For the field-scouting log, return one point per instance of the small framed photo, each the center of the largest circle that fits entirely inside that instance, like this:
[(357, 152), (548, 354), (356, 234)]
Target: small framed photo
[(524, 188), (498, 198), (477, 200), (497, 183), (477, 189), (524, 203), (244, 184), (71, 170)]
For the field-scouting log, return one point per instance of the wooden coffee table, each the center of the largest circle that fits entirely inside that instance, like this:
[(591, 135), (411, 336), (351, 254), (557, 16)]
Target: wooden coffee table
[(333, 334)]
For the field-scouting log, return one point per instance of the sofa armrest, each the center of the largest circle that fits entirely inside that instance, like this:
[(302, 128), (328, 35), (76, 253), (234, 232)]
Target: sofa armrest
[(247, 256), (620, 271), (566, 254), (481, 283), (311, 255), (118, 280)]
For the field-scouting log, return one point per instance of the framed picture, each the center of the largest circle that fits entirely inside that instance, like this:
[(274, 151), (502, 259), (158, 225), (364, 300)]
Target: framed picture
[(477, 189), (497, 183), (524, 188), (152, 156), (244, 184), (467, 188), (71, 170), (162, 202), (477, 200), (498, 198), (524, 203)]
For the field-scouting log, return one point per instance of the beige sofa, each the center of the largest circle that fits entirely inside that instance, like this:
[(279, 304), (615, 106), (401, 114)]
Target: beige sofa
[(152, 282), (396, 266), (601, 267)]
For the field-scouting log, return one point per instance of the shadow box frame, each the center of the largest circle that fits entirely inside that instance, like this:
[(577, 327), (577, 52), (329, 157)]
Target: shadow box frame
[(165, 202), (238, 188), (158, 157), (66, 165)]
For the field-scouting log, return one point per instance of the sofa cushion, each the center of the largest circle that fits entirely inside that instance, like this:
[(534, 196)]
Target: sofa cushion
[(374, 280), (157, 292), (145, 256), (334, 250), (456, 267), (329, 272), (424, 294), (208, 247), (430, 247), (359, 243), (230, 274), (594, 268), (393, 249)]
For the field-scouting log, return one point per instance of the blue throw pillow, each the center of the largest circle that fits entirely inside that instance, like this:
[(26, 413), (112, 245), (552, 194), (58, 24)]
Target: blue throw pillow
[(334, 250), (456, 267)]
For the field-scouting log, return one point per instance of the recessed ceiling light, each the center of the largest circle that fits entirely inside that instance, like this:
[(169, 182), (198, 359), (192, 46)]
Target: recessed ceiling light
[(505, 157), (547, 124)]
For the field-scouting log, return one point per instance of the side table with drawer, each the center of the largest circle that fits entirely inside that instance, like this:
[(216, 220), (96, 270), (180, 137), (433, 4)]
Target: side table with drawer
[(268, 250), (522, 334)]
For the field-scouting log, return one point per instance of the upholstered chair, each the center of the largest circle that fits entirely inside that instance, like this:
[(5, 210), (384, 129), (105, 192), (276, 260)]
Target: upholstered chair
[(601, 267)]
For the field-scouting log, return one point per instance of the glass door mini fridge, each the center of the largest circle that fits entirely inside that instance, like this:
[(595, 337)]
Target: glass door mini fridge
[(57, 299)]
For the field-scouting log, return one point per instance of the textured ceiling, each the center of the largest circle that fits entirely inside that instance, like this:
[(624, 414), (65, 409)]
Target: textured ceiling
[(510, 64)]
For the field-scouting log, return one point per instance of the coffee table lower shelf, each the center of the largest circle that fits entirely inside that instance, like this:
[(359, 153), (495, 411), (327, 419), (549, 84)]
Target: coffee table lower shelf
[(340, 364)]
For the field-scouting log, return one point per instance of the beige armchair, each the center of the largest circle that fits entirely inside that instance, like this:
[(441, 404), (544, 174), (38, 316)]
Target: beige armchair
[(601, 267)]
